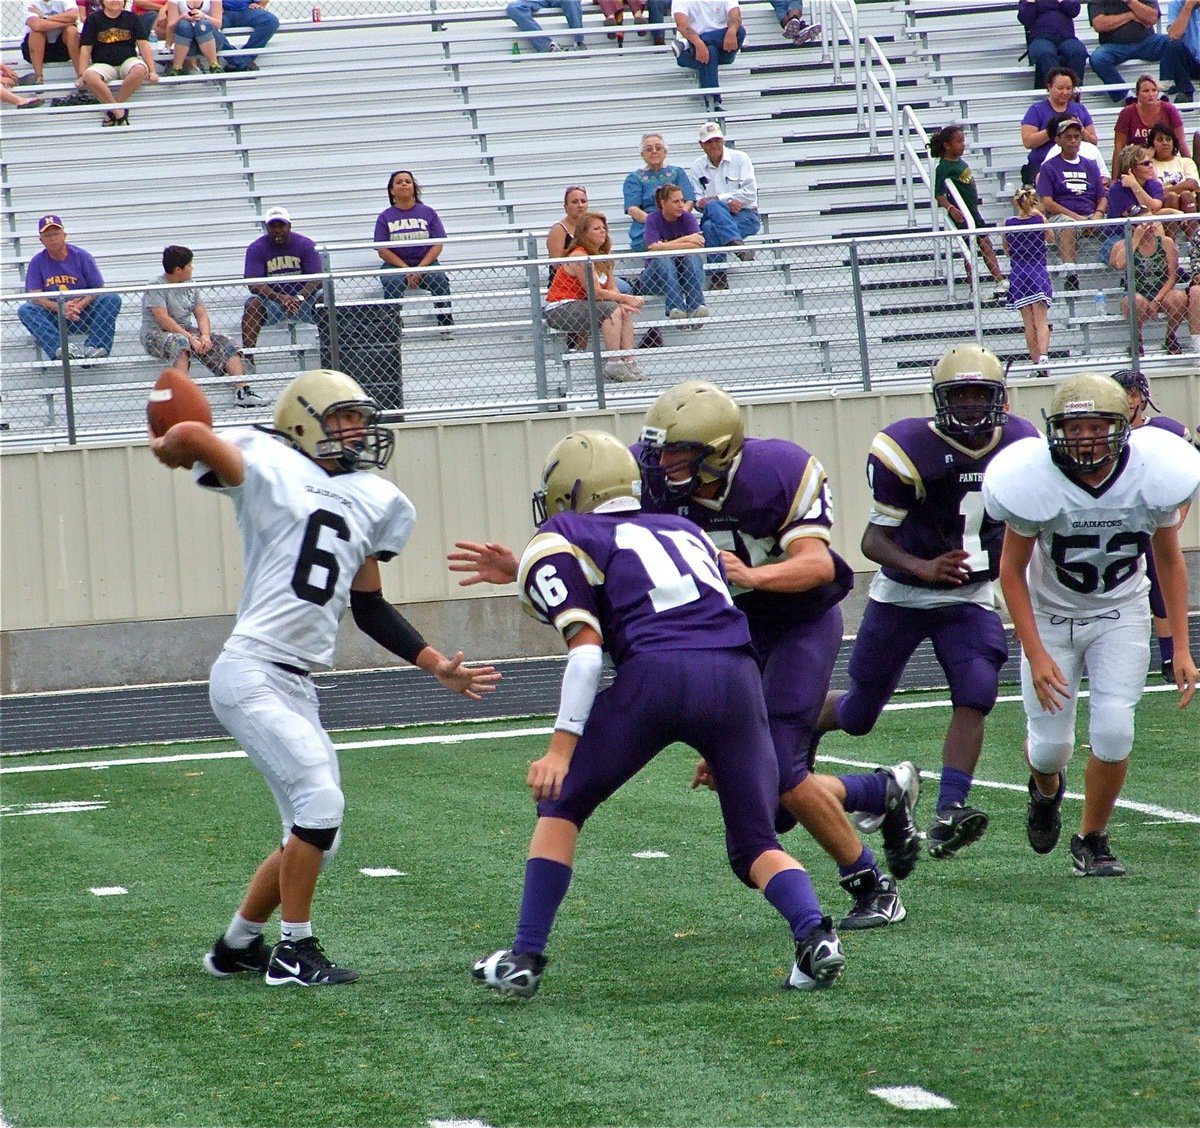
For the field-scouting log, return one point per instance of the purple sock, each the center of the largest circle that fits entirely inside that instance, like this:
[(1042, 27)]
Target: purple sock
[(955, 785), (546, 885), (1166, 648), (866, 793), (791, 893), (865, 860)]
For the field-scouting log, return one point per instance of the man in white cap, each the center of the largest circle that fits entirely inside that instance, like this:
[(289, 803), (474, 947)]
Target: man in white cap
[(726, 198), (274, 256)]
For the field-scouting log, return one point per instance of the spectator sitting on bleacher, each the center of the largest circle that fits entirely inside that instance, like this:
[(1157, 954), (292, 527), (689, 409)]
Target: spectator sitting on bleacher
[(262, 24), (672, 227), (1036, 129), (790, 14), (521, 13), (948, 144), (275, 255), (57, 268), (614, 15), (152, 14), (1155, 272), (1086, 148), (113, 46), (1183, 24), (176, 327), (1071, 192), (1134, 121), (642, 185), (9, 97), (52, 37), (1135, 190), (728, 200), (1030, 291), (414, 231), (1126, 30), (708, 35), (1050, 37), (575, 203), (194, 25), (567, 308), (1176, 173)]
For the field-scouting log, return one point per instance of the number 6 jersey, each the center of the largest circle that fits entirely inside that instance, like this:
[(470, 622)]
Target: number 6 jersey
[(1089, 556), (305, 534)]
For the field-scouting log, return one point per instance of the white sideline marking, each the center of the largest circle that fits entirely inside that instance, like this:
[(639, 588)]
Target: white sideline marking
[(108, 890), (911, 1097), (459, 1124), (651, 854), (381, 871), (504, 734), (66, 807)]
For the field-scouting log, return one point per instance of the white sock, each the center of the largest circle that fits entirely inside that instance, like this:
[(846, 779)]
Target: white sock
[(241, 932), (291, 931)]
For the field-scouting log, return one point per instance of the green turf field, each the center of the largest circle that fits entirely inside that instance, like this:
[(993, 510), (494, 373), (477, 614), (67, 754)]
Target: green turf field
[(1019, 994)]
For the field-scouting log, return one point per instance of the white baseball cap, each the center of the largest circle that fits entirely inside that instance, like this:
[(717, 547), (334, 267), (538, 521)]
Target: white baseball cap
[(277, 215), (710, 131)]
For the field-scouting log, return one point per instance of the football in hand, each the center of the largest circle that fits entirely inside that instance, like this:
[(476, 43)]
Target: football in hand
[(176, 397)]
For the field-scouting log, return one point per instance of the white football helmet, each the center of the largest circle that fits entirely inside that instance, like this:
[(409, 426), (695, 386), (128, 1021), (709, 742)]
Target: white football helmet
[(694, 418), (303, 416), (582, 471), (1089, 395), (961, 411)]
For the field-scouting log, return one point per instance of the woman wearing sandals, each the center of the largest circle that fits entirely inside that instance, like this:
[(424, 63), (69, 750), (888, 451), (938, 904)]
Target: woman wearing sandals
[(112, 45), (567, 300)]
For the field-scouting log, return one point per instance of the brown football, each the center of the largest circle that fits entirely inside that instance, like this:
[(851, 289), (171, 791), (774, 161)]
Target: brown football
[(176, 397)]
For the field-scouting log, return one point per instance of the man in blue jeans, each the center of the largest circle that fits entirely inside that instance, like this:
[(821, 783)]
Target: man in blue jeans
[(521, 13), (262, 24), (708, 34), (58, 268), (1183, 26), (1126, 30), (726, 198)]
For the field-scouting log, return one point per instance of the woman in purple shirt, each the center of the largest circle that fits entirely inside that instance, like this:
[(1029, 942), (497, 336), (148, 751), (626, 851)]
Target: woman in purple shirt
[(671, 227), (413, 231)]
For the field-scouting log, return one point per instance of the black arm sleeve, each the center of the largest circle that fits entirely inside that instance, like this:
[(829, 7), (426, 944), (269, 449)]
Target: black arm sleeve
[(378, 619)]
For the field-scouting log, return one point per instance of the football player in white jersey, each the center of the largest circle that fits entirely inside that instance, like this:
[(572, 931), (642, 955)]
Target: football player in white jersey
[(1079, 510), (314, 527)]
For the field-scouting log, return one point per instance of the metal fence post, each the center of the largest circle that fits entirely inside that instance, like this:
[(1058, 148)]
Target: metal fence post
[(535, 323), (335, 359), (594, 326), (859, 315), (64, 354), (1131, 298)]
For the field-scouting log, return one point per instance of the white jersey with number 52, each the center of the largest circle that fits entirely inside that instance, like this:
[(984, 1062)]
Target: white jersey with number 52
[(1091, 540)]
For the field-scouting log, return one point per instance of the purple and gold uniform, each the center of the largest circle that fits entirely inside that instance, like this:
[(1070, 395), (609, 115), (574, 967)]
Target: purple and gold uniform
[(1158, 606), (778, 492), (652, 587), (926, 489)]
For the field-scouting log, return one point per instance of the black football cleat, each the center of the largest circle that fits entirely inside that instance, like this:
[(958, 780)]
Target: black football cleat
[(954, 827), (1093, 858), (305, 964), (876, 902), (1043, 822), (223, 961), (819, 959), (509, 973)]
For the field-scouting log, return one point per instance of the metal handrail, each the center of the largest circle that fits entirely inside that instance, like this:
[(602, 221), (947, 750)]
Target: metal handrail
[(843, 15), (874, 51)]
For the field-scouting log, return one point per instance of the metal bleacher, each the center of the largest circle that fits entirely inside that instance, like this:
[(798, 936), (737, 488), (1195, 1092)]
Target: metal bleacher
[(494, 137)]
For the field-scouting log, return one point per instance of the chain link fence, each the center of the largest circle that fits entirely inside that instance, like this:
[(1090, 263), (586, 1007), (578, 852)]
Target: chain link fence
[(473, 339)]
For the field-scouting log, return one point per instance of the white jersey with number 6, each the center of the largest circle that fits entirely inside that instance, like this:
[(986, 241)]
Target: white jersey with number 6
[(305, 533), (1090, 540)]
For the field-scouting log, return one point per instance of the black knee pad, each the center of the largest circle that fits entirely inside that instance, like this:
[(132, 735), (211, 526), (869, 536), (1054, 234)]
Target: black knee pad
[(322, 838)]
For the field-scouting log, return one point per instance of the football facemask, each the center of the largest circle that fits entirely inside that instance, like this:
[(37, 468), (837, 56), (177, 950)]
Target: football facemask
[(326, 415), (692, 435), (1088, 397), (970, 392)]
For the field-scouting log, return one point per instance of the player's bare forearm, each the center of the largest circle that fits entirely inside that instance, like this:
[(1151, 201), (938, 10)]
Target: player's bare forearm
[(949, 568), (808, 565), (456, 675), (190, 441)]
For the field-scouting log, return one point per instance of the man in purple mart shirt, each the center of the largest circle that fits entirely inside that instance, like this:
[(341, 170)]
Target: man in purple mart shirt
[(61, 267), (649, 590), (272, 257)]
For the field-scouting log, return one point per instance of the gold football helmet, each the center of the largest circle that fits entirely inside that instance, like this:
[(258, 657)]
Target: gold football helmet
[(582, 471), (696, 419), (970, 392), (1089, 395), (303, 416)]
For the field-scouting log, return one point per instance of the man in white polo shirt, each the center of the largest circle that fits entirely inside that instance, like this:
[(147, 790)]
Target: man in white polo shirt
[(708, 34)]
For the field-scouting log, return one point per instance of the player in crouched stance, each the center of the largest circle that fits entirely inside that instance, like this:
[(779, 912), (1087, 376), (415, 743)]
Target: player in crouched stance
[(314, 526), (649, 589), (1072, 569)]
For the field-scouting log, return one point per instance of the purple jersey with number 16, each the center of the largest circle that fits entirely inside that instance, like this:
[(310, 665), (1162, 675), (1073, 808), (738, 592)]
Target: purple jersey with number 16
[(644, 582), (927, 487)]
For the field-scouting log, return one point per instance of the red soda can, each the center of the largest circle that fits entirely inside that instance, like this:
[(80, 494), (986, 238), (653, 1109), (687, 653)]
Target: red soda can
[(316, 15)]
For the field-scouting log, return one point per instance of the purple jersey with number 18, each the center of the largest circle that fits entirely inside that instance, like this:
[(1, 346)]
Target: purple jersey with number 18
[(645, 582)]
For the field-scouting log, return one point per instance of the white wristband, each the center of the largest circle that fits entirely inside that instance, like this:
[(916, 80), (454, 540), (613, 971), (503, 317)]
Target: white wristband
[(581, 680)]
